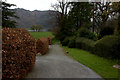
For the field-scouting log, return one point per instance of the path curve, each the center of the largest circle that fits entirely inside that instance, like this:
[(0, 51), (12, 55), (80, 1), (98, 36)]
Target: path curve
[(56, 64)]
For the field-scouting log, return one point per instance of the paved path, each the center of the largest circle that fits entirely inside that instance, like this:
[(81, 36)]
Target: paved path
[(56, 64)]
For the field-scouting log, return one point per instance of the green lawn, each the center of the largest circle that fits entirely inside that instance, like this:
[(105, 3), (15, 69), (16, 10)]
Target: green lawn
[(103, 67), (37, 35)]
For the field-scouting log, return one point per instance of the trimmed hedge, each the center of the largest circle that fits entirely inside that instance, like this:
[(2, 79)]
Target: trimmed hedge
[(65, 41), (18, 53), (108, 47), (42, 45), (71, 43), (85, 44)]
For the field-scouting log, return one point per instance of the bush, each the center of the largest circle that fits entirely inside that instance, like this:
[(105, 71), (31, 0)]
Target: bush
[(84, 32), (18, 53), (106, 31), (42, 45), (65, 41), (71, 43), (108, 47), (54, 40), (84, 43)]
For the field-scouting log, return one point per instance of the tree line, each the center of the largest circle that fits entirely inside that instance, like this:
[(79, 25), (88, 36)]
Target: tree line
[(101, 18)]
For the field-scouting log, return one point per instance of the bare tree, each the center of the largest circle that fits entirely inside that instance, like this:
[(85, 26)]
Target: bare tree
[(62, 8), (101, 13)]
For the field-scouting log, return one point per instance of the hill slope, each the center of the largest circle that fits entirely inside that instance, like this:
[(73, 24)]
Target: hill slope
[(28, 18)]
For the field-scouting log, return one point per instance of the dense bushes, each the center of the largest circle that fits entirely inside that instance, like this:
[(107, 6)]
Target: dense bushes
[(108, 47), (78, 42), (71, 43), (84, 32), (18, 53), (84, 43), (65, 41), (106, 31)]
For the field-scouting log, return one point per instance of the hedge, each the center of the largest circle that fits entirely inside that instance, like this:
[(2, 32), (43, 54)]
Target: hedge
[(71, 43), (42, 45), (108, 47), (65, 41), (106, 31), (85, 44), (18, 53)]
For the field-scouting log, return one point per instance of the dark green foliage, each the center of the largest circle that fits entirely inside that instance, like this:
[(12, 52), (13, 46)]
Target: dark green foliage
[(65, 29), (65, 41), (108, 47), (54, 40), (7, 14), (106, 31), (84, 32), (71, 43), (80, 13), (84, 43), (119, 24)]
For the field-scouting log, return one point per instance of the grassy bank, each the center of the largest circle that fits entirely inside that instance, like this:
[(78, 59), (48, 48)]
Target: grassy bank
[(37, 35), (103, 67)]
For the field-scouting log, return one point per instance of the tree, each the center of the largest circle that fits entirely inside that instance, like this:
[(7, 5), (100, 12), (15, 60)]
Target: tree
[(36, 27), (102, 11), (7, 14), (81, 14), (116, 12), (61, 7)]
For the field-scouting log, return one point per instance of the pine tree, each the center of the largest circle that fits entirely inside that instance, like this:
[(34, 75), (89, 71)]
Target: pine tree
[(7, 13)]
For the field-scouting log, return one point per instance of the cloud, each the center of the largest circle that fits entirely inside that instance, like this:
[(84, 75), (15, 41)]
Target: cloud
[(33, 4)]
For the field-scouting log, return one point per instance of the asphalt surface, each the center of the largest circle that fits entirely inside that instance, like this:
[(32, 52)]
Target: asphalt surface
[(55, 64)]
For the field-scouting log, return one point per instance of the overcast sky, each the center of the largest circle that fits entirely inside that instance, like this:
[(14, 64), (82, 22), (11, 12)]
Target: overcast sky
[(39, 4), (33, 4)]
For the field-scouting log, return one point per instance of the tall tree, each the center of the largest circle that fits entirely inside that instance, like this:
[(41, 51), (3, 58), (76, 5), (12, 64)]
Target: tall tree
[(62, 8), (81, 14), (102, 11), (7, 13), (116, 14)]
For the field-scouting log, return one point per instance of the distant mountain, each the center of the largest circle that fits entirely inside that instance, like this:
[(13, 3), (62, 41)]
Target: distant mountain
[(28, 18)]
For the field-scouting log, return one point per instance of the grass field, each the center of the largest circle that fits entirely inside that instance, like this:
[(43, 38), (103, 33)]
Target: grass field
[(41, 34), (37, 35), (103, 67)]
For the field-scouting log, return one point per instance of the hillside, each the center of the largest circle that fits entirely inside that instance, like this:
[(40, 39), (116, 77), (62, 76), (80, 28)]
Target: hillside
[(28, 18)]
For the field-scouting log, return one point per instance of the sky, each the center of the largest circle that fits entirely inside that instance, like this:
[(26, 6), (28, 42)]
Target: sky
[(32, 4), (38, 4)]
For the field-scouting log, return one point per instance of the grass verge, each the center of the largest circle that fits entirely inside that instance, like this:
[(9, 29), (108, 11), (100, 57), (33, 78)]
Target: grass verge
[(102, 66), (37, 35)]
